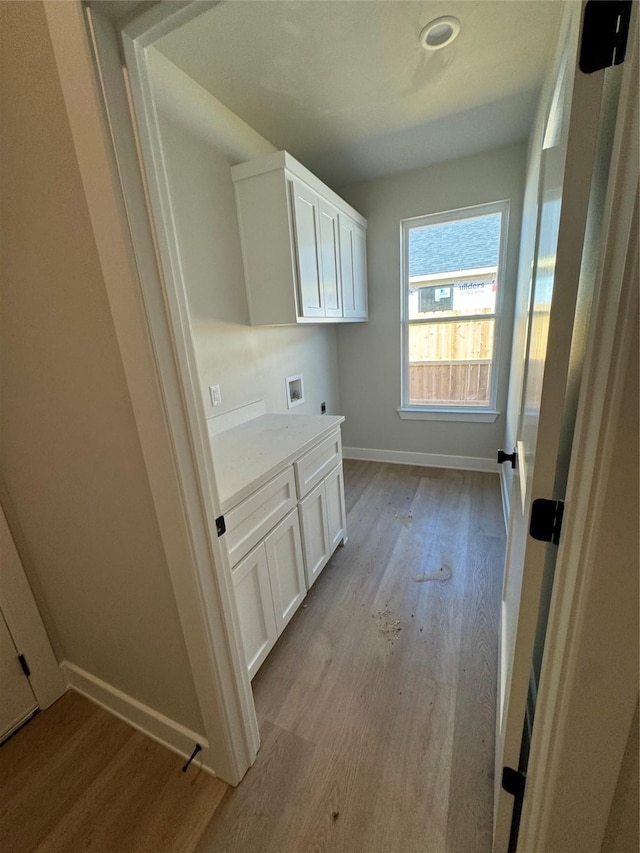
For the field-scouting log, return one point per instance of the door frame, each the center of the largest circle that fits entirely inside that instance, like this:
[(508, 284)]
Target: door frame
[(570, 115), (568, 652), (151, 322)]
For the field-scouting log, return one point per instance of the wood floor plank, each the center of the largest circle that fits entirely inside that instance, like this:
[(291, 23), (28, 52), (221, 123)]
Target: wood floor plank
[(46, 735), (273, 787), (76, 778), (468, 822), (320, 641), (359, 478), (47, 793), (144, 801)]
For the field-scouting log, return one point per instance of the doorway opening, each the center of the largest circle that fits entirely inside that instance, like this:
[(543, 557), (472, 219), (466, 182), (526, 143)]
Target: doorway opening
[(202, 329)]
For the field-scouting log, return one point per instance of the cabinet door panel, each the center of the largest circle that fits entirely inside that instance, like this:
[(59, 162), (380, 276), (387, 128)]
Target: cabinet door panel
[(330, 256), (347, 265), (286, 569), (315, 539), (336, 516), (360, 272), (353, 268), (255, 608), (306, 227)]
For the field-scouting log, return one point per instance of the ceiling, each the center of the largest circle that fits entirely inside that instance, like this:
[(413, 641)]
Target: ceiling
[(345, 86)]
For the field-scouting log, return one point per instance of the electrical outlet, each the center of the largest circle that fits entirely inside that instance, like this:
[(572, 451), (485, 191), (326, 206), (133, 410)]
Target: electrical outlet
[(323, 408), (216, 396)]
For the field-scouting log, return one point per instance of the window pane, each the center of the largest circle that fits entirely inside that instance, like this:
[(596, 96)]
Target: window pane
[(453, 298), (450, 363), (461, 244), (453, 267)]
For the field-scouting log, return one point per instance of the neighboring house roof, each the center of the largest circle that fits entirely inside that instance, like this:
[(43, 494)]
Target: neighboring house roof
[(463, 244)]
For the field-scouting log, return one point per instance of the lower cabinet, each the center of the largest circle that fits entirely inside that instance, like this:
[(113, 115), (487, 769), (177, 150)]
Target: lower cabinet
[(269, 586), (279, 539), (322, 515)]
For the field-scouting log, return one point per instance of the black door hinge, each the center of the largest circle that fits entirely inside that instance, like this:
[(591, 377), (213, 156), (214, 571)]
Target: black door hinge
[(546, 520), (24, 665), (508, 457), (605, 30), (221, 527), (513, 781)]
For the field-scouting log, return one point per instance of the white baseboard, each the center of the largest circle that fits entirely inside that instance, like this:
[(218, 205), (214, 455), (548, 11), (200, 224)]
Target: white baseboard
[(427, 460), (504, 491), (163, 730)]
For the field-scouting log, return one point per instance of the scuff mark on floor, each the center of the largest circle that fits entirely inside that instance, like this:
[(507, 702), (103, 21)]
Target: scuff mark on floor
[(442, 573)]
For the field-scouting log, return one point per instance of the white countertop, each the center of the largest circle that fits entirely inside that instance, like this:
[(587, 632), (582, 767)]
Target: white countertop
[(249, 455)]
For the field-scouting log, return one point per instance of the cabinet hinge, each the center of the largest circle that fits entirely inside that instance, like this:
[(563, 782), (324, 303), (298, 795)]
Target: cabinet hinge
[(605, 30), (221, 527), (546, 520), (513, 781), (24, 665)]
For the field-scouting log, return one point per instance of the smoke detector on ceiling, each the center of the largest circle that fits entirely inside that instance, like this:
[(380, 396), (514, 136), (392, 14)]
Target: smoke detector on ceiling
[(440, 32)]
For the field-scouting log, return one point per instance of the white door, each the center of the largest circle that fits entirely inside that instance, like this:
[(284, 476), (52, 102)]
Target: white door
[(17, 701), (22, 630), (565, 178)]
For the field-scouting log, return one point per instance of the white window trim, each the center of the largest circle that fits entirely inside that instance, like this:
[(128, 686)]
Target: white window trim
[(468, 413), (479, 414)]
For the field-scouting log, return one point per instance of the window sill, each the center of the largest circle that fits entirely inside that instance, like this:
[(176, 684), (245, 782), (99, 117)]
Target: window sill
[(485, 416)]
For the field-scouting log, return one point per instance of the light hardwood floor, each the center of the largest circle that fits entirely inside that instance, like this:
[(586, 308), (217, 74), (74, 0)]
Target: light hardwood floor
[(376, 707)]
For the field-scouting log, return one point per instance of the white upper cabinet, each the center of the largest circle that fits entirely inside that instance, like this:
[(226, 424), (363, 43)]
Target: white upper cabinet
[(303, 247)]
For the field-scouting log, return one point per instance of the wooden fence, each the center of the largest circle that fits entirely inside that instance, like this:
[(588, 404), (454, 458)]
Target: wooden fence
[(460, 383), (464, 340)]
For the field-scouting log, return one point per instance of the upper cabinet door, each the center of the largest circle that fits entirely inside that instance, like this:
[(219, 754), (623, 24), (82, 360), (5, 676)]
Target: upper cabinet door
[(361, 305), (306, 225), (330, 258), (353, 268)]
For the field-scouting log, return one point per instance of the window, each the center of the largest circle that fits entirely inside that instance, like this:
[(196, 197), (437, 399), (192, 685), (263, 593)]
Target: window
[(451, 293)]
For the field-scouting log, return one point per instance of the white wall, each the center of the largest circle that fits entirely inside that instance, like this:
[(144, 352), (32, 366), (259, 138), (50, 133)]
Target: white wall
[(623, 832), (201, 140), (74, 483), (370, 354)]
